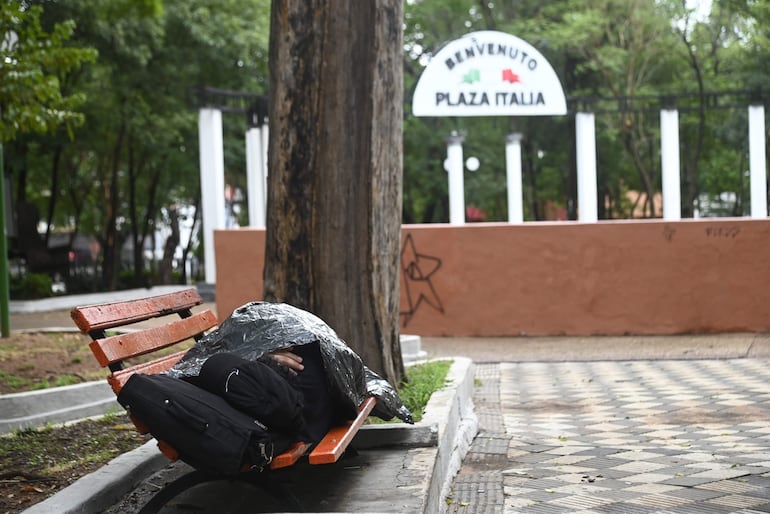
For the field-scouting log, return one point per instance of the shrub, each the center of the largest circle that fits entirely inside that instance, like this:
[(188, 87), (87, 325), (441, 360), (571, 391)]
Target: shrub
[(30, 286)]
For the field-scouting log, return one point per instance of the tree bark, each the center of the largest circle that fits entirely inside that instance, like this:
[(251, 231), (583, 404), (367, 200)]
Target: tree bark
[(112, 240), (55, 160), (335, 160), (169, 248)]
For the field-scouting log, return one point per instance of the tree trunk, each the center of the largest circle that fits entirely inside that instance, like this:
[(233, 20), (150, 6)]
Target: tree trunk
[(187, 249), (167, 263), (335, 155), (138, 243), (55, 160), (112, 240)]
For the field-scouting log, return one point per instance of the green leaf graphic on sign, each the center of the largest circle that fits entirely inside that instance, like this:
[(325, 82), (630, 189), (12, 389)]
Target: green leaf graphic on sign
[(472, 76)]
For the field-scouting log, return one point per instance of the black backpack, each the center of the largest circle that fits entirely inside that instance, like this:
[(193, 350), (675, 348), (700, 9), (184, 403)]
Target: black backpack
[(208, 433)]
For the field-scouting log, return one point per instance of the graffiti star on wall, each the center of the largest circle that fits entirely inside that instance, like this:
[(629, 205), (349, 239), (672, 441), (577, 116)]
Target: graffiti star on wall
[(417, 270)]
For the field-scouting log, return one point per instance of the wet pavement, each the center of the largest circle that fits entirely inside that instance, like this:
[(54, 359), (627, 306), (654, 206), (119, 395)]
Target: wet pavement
[(653, 437), (583, 425)]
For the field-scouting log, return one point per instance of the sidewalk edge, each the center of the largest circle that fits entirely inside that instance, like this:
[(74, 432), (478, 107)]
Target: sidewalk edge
[(452, 410)]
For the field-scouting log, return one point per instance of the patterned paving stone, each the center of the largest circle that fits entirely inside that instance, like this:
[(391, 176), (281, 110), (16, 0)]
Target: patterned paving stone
[(657, 437)]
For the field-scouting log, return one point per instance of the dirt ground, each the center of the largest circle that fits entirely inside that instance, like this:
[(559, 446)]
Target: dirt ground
[(37, 360), (34, 464)]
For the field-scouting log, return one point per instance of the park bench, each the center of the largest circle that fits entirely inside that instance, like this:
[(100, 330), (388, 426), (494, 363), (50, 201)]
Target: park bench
[(112, 351)]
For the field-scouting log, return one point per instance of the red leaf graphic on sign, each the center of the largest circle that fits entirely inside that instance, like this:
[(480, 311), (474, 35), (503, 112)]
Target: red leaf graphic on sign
[(510, 76)]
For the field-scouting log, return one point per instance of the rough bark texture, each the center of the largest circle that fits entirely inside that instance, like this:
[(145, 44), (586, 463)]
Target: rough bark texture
[(335, 169)]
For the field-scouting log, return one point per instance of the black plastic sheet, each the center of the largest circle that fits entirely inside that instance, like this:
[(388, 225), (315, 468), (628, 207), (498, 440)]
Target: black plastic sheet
[(258, 328)]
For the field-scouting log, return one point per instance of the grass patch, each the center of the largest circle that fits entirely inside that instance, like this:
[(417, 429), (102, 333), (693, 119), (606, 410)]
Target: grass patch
[(19, 383), (422, 380), (14, 381), (59, 381)]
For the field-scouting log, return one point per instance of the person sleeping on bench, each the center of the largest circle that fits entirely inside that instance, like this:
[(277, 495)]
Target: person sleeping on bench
[(276, 375)]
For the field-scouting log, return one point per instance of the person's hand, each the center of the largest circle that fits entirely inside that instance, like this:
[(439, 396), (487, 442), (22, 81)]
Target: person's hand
[(289, 359)]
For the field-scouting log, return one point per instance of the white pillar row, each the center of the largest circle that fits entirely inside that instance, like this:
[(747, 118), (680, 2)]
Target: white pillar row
[(513, 176), (669, 155), (454, 167), (757, 161), (585, 135), (212, 166), (255, 180)]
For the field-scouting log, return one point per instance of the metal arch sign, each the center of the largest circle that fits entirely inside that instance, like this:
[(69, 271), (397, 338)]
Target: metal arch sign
[(488, 73)]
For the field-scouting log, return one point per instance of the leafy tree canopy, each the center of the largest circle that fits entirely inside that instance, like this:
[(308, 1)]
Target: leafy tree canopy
[(33, 63)]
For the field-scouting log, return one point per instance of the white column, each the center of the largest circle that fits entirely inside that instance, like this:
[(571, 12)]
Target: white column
[(454, 166), (265, 141), (585, 133), (255, 180), (669, 155), (513, 176), (757, 161), (212, 183)]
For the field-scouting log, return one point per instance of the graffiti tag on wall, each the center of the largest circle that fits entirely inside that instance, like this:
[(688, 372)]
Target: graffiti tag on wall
[(730, 232)]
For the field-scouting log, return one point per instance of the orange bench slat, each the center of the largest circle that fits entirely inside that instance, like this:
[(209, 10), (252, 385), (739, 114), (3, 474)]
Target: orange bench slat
[(115, 314), (290, 456), (168, 451), (118, 379), (333, 445), (133, 344)]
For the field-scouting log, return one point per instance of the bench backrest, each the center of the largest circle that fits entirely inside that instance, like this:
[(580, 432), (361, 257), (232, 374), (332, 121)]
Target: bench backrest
[(112, 350)]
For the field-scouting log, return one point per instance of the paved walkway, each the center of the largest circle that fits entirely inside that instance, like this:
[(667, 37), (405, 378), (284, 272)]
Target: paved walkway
[(654, 425), (675, 436)]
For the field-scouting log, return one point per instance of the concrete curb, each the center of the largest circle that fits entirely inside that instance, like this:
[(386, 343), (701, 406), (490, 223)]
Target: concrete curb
[(67, 302), (55, 405), (449, 414), (451, 409)]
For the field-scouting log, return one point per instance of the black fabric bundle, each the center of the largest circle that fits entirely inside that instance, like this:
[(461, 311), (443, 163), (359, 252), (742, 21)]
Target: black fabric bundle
[(254, 389), (209, 433)]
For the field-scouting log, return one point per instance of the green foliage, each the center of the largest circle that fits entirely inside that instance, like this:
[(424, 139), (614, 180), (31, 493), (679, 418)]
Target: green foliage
[(31, 286), (136, 155), (34, 63), (599, 48)]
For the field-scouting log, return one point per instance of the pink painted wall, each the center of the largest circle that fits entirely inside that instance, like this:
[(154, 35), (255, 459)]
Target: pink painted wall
[(608, 278)]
